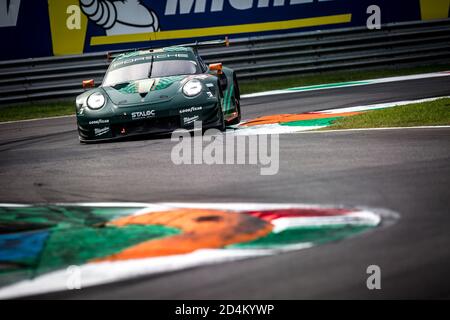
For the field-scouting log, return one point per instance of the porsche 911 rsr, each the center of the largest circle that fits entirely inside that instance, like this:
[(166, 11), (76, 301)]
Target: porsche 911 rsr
[(157, 91)]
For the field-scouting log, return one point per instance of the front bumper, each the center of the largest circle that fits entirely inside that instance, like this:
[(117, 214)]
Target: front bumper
[(92, 129)]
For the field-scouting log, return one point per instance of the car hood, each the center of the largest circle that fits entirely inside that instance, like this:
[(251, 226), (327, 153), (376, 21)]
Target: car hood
[(146, 91)]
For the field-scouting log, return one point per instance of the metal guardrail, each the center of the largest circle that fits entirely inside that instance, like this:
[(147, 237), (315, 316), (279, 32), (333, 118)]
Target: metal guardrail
[(252, 57)]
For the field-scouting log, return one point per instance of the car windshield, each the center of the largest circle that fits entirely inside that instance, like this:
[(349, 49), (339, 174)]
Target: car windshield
[(155, 69)]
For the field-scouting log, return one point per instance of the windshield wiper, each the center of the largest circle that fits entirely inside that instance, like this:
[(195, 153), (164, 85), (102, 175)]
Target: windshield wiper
[(151, 67)]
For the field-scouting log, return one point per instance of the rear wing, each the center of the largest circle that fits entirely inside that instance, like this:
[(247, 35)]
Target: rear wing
[(195, 45), (207, 44)]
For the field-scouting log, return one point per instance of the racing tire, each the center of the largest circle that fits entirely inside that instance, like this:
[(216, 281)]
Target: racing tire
[(222, 126), (237, 101)]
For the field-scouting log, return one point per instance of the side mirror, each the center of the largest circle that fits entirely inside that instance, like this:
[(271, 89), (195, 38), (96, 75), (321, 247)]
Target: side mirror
[(88, 84), (216, 67)]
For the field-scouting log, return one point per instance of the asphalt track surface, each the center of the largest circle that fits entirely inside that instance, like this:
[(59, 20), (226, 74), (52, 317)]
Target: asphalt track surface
[(406, 171)]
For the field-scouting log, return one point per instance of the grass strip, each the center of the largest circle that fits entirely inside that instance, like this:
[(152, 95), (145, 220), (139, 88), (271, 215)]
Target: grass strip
[(432, 113)]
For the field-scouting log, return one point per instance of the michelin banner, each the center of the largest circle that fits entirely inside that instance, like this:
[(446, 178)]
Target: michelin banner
[(39, 28)]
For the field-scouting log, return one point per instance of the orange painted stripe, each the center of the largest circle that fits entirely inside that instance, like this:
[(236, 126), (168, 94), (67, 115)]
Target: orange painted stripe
[(202, 229), (278, 118)]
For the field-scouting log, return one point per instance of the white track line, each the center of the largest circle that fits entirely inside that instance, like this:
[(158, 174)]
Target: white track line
[(347, 84), (376, 129), (38, 119), (380, 105)]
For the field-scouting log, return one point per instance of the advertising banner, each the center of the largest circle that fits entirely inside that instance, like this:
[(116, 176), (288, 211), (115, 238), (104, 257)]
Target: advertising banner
[(38, 28)]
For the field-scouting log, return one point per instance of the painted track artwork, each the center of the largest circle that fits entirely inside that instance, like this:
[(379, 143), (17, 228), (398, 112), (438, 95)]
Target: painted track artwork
[(110, 242)]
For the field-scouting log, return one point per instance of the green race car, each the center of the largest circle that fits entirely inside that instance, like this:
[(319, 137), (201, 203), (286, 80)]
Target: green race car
[(157, 91)]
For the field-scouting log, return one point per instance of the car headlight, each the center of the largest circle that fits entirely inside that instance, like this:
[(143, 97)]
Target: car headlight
[(192, 88), (96, 100)]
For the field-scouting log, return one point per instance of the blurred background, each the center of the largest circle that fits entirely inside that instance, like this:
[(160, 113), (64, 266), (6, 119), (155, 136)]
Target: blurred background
[(51, 46)]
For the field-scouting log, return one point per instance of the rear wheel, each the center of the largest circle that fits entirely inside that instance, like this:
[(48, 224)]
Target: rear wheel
[(222, 125), (237, 102)]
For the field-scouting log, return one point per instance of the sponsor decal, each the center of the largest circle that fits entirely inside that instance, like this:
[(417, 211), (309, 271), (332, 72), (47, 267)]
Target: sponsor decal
[(189, 120), (122, 17), (9, 12), (199, 6), (191, 109), (99, 121), (101, 131), (108, 242), (137, 115)]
